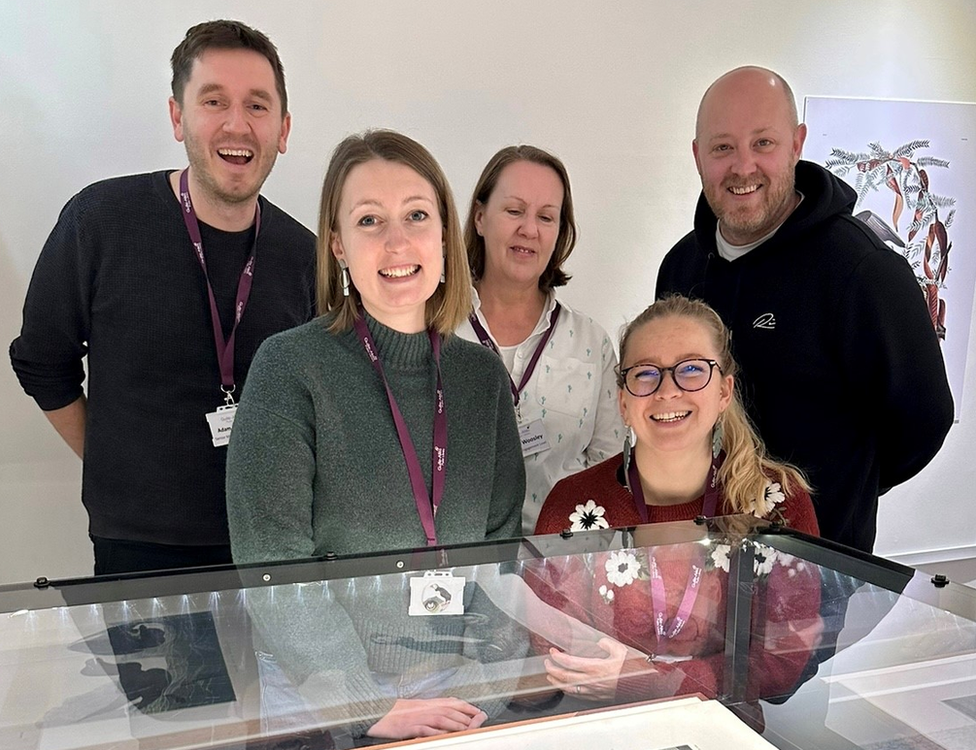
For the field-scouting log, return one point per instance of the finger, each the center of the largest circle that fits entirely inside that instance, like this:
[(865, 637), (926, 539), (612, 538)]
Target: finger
[(457, 704), (480, 718), (575, 663)]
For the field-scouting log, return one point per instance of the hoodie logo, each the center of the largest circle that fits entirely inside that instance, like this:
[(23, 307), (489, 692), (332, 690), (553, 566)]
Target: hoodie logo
[(766, 321)]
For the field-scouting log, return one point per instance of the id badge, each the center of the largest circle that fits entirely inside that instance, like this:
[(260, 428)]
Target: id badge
[(221, 422), (533, 437), (436, 593)]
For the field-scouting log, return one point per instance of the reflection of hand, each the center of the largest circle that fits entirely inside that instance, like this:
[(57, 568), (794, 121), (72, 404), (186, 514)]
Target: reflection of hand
[(426, 718), (590, 678)]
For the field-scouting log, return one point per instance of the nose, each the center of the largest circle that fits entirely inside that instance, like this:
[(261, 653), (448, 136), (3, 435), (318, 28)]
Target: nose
[(744, 162), (236, 119), (529, 227), (668, 388), (396, 237)]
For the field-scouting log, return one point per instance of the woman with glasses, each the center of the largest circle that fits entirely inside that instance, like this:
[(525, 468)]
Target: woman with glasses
[(690, 452), (519, 232)]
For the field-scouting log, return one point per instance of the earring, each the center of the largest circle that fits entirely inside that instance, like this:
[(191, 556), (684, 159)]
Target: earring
[(630, 439), (717, 436), (345, 278), (443, 263)]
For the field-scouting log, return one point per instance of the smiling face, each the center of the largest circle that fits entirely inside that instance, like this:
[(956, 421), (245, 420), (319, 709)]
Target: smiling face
[(671, 419), (520, 223), (389, 232), (746, 148), (231, 122)]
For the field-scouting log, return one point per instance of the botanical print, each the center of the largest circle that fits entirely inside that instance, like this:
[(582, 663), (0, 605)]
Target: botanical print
[(912, 166)]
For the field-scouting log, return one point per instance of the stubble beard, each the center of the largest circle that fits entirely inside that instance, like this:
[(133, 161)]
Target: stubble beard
[(754, 223), (215, 192)]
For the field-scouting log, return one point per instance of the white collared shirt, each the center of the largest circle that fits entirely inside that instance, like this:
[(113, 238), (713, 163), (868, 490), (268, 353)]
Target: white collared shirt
[(573, 391)]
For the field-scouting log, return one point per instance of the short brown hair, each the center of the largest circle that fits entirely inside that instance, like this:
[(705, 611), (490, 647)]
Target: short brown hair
[(451, 301), (224, 35), (747, 468), (554, 275)]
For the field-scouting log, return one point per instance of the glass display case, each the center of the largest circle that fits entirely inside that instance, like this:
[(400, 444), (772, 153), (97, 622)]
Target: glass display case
[(720, 633)]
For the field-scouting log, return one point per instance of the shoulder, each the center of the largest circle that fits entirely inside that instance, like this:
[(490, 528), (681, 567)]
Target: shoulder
[(473, 359), (310, 342), (794, 510), (597, 492), (581, 324), (108, 196), (282, 226)]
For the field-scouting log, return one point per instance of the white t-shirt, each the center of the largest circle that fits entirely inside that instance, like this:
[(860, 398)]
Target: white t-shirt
[(572, 391), (732, 252)]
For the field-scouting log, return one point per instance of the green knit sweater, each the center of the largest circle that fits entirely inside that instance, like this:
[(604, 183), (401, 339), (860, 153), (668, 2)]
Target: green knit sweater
[(315, 466)]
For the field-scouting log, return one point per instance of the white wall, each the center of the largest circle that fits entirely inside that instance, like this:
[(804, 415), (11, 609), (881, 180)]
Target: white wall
[(610, 87)]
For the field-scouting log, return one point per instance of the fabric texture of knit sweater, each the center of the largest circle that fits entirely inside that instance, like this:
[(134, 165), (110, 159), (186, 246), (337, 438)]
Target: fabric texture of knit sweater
[(840, 365), (315, 466), (118, 281), (611, 591)]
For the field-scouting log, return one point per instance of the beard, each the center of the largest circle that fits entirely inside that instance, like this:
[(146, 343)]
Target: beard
[(744, 224), (228, 192)]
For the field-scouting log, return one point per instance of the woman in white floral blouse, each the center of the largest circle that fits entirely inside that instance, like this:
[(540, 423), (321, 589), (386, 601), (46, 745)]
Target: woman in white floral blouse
[(691, 452)]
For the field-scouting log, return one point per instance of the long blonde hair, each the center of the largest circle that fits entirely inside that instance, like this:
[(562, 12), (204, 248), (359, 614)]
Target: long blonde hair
[(748, 468)]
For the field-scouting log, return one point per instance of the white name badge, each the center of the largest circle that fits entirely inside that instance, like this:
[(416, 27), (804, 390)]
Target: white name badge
[(533, 437), (221, 422), (436, 593)]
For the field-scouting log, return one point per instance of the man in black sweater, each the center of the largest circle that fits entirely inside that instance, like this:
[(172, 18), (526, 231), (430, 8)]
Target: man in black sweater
[(168, 282), (841, 367)]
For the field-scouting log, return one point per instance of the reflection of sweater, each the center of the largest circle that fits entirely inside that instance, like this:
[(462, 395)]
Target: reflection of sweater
[(841, 367), (315, 466), (118, 281), (589, 588)]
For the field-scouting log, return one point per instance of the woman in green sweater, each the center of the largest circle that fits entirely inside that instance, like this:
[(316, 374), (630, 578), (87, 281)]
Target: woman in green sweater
[(372, 428)]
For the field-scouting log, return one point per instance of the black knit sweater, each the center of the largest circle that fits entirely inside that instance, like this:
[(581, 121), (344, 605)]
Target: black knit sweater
[(118, 281)]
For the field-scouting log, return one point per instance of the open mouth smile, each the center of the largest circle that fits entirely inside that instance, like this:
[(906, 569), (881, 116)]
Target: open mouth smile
[(236, 155), (399, 272), (743, 190), (670, 416)]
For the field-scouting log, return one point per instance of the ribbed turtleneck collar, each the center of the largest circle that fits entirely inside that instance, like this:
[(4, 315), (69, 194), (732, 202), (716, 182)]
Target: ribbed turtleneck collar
[(399, 350)]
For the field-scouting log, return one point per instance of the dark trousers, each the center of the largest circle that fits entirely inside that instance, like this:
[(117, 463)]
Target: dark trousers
[(119, 556)]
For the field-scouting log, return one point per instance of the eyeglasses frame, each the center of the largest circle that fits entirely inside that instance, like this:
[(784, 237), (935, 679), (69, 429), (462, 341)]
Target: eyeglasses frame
[(712, 364)]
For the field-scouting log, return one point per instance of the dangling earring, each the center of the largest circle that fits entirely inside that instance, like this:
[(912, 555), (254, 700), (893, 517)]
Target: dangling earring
[(345, 278), (630, 440), (444, 265), (717, 436)]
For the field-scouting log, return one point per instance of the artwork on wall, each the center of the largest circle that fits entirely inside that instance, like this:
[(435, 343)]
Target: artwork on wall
[(913, 165)]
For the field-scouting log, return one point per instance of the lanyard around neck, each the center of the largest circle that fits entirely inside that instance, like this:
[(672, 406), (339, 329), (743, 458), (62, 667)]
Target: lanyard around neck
[(665, 629), (225, 348), (487, 341), (427, 504), (709, 504)]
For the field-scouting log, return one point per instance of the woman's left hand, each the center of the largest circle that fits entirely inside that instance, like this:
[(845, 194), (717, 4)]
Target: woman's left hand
[(590, 678)]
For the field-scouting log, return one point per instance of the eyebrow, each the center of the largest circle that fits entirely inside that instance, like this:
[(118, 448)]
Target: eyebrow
[(757, 131), (209, 88), (681, 358), (522, 200), (374, 202)]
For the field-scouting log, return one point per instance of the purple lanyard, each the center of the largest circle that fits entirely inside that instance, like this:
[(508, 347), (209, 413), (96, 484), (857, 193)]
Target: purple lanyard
[(666, 629), (225, 349), (709, 505), (426, 505), (485, 340)]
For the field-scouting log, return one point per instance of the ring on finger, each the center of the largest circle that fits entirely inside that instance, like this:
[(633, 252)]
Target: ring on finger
[(577, 689)]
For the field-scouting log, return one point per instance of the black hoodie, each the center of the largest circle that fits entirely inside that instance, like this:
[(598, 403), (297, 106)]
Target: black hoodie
[(840, 366)]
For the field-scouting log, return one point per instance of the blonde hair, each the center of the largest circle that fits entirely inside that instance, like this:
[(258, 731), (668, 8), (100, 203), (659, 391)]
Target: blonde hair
[(450, 303), (748, 468)]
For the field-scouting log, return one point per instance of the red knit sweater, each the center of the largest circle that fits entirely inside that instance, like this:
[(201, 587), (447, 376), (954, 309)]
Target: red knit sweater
[(596, 589)]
